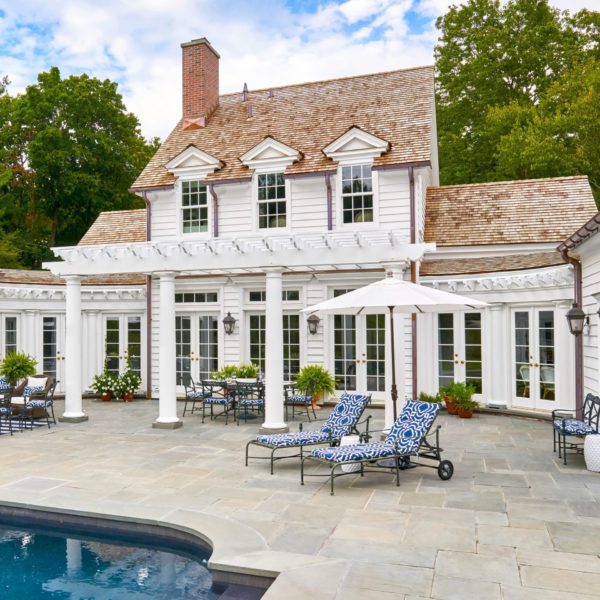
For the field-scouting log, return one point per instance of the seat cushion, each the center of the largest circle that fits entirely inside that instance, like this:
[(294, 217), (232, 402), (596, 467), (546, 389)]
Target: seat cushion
[(299, 399), (17, 400), (251, 402), (355, 452), (4, 384), (345, 415), (300, 438), (38, 403), (573, 427), (32, 389), (217, 400)]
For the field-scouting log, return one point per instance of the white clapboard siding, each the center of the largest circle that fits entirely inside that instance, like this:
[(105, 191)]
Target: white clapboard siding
[(164, 221), (155, 336), (314, 350), (308, 204), (394, 202), (235, 210), (231, 353), (422, 182), (590, 252)]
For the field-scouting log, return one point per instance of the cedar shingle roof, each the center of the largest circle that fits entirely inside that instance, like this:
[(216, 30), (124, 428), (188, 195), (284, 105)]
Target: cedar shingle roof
[(508, 212), (117, 227), (395, 106), (17, 276), (496, 264)]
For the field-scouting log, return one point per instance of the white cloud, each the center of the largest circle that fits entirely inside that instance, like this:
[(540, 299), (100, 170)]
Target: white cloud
[(263, 43)]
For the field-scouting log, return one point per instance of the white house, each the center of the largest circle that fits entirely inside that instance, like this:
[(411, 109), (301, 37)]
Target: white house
[(263, 202)]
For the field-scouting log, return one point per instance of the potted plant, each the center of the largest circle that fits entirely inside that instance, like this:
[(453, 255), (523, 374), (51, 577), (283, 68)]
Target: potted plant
[(247, 371), (104, 385), (424, 397), (465, 405), (448, 394), (128, 384), (17, 366), (315, 379), (227, 372)]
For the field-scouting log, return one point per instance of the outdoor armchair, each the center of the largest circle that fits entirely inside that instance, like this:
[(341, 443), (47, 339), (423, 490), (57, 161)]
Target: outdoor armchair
[(193, 395), (407, 437), (6, 410), (575, 425), (299, 400), (343, 420), (249, 399), (40, 402), (216, 394)]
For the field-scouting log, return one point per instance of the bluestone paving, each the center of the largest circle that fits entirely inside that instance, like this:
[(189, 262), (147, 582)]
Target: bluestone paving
[(513, 523)]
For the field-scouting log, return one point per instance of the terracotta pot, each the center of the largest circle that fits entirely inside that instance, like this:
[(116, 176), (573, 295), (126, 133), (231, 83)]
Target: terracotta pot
[(451, 406), (128, 396), (106, 396), (464, 413)]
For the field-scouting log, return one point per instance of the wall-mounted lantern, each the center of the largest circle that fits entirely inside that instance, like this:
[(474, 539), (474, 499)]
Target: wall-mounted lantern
[(229, 323), (313, 324)]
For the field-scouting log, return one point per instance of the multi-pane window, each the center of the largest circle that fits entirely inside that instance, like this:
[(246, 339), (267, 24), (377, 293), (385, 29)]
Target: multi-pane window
[(208, 345), (344, 351), (291, 343), (286, 296), (194, 207), (112, 345), (183, 348), (271, 201), (196, 297), (445, 349), (375, 351), (10, 335), (357, 194), (49, 349), (134, 344), (473, 356)]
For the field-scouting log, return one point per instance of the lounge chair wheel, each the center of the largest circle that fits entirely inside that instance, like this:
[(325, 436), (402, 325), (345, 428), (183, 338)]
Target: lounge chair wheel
[(445, 470)]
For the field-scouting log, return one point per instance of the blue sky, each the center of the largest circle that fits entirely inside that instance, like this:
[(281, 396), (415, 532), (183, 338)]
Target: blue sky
[(261, 42)]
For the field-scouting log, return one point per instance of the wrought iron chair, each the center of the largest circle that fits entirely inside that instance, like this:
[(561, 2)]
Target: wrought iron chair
[(40, 400), (193, 395), (343, 420), (406, 438), (299, 400), (6, 410), (215, 393), (249, 399), (576, 425)]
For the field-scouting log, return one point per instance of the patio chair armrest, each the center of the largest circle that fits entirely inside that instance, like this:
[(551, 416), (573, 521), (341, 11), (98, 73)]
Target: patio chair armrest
[(364, 435), (37, 396)]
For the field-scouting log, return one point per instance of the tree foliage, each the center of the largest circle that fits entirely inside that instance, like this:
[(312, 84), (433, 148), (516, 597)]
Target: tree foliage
[(518, 92), (68, 150)]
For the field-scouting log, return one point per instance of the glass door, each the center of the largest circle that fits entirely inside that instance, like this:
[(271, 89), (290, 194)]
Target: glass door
[(53, 358), (197, 347), (534, 358), (460, 355), (122, 339)]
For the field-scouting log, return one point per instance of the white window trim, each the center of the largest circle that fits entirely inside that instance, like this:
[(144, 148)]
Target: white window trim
[(339, 215), (179, 203), (255, 202)]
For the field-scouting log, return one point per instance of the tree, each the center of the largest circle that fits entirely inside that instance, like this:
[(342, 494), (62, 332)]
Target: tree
[(73, 151), (504, 72)]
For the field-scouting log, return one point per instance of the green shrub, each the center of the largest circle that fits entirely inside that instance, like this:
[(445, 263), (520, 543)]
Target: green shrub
[(247, 371), (315, 378), (17, 366), (424, 397)]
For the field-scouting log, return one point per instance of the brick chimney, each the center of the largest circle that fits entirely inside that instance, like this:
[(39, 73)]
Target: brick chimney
[(200, 62)]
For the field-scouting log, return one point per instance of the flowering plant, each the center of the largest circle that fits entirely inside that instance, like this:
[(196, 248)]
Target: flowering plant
[(106, 382), (129, 382)]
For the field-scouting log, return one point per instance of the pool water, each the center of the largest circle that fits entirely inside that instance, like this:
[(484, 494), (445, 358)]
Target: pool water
[(43, 566)]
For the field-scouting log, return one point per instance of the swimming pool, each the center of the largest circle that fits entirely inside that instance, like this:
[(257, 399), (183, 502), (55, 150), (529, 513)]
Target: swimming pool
[(74, 559)]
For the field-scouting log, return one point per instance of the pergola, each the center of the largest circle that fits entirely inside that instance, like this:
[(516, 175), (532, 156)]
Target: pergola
[(271, 255)]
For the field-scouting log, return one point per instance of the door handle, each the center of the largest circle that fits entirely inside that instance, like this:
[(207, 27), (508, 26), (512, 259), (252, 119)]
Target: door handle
[(462, 362)]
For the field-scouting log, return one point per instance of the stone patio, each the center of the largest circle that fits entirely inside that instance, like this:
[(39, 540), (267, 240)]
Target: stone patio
[(513, 523)]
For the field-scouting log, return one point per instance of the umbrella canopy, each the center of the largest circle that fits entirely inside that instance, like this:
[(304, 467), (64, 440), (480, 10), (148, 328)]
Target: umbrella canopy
[(399, 295), (394, 296)]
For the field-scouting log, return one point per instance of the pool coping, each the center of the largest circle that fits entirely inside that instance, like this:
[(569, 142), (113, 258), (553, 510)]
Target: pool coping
[(239, 554)]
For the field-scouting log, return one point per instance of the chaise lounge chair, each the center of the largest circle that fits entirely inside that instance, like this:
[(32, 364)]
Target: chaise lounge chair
[(343, 420), (406, 438)]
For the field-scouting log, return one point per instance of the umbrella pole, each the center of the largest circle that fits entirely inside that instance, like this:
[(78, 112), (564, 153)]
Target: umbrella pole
[(394, 388)]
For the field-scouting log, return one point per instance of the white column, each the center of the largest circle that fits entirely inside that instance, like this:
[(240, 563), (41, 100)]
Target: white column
[(73, 347), (274, 354), (497, 372), (167, 400)]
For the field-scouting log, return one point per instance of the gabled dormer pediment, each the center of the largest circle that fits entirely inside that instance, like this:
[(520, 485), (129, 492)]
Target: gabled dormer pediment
[(193, 162), (270, 154), (356, 143)]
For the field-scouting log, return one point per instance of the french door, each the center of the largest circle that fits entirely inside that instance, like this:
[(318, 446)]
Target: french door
[(197, 343), (53, 340), (123, 339), (359, 353), (460, 351), (533, 358)]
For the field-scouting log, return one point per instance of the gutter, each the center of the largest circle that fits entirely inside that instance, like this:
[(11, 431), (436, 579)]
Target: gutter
[(148, 302), (215, 200), (413, 278), (329, 202), (576, 264)]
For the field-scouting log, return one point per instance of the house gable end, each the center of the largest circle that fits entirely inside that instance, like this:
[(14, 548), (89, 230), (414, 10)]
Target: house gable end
[(270, 154), (193, 162), (356, 143)]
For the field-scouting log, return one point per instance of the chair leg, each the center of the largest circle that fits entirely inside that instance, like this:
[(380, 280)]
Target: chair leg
[(398, 471), (564, 449)]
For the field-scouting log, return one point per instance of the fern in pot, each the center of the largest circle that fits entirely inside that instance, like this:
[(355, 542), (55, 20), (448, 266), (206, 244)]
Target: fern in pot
[(17, 366), (316, 380)]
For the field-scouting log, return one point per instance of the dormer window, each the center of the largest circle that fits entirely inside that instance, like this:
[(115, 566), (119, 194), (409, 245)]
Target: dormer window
[(357, 194), (272, 205), (194, 207)]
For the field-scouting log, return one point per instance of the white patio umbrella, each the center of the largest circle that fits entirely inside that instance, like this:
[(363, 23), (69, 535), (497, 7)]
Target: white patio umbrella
[(394, 296)]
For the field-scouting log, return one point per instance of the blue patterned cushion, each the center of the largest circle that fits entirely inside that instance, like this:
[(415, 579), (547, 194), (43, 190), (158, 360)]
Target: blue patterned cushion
[(355, 452), (193, 395), (299, 399), (217, 400), (4, 410), (251, 402), (4, 384), (345, 414), (32, 389), (38, 403), (300, 438), (573, 427), (414, 422)]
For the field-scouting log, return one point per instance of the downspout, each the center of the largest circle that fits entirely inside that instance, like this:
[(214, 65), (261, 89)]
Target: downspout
[(329, 202), (413, 278), (213, 194), (576, 264), (148, 302)]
